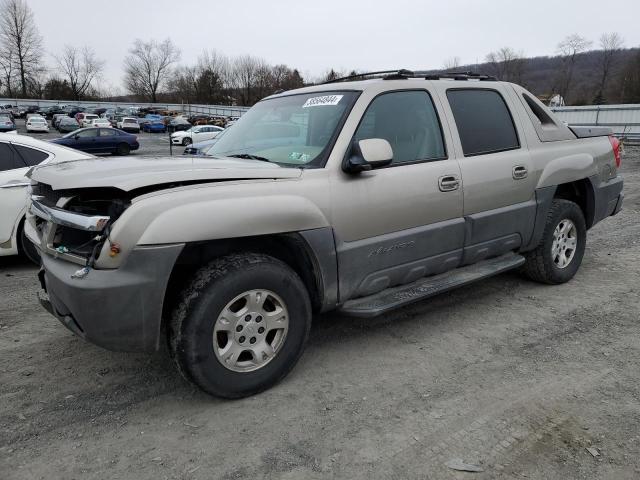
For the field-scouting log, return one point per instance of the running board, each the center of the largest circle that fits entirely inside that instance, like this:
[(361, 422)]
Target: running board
[(426, 287)]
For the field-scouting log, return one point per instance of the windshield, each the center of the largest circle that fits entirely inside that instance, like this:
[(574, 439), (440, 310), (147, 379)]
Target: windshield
[(295, 130)]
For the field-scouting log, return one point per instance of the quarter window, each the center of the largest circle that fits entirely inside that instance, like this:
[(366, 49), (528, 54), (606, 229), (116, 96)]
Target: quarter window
[(483, 120), (31, 156), (8, 160), (409, 122)]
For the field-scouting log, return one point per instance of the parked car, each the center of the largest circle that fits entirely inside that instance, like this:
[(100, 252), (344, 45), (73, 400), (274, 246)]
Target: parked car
[(6, 122), (100, 122), (151, 117), (156, 126), (73, 110), (36, 123), (178, 124), (201, 148), (84, 119), (100, 140), (195, 134), (68, 124), (346, 196), (49, 112), (129, 124), (99, 111), (56, 119), (18, 153)]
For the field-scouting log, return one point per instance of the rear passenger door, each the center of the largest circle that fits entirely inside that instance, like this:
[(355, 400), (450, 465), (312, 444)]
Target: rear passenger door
[(499, 192), (399, 223)]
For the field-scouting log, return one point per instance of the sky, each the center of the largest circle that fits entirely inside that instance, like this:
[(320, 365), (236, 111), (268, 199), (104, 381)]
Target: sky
[(344, 35)]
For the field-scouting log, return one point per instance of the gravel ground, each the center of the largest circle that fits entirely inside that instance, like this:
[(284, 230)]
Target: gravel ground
[(515, 377), (150, 143)]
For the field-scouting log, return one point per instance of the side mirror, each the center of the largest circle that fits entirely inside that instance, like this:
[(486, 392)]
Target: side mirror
[(368, 154)]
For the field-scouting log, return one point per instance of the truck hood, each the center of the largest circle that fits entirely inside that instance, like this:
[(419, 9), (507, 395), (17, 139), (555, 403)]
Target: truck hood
[(130, 173)]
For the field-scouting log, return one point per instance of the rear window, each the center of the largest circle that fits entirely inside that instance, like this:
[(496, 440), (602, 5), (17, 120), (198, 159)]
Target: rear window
[(483, 120)]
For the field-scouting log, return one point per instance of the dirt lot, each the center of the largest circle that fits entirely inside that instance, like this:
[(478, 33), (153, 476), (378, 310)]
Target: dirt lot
[(513, 376)]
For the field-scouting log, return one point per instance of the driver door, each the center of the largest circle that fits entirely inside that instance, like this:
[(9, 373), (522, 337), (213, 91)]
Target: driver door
[(396, 224)]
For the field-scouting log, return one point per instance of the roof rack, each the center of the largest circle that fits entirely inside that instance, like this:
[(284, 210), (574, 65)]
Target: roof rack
[(405, 74)]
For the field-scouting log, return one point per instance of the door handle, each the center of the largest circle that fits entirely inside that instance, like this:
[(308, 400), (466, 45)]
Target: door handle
[(15, 184), (519, 172), (448, 183)]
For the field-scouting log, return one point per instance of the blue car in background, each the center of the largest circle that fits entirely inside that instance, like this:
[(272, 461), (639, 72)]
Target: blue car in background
[(152, 123), (100, 140), (157, 126)]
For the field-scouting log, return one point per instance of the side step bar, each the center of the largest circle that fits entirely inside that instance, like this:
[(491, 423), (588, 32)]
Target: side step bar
[(395, 297)]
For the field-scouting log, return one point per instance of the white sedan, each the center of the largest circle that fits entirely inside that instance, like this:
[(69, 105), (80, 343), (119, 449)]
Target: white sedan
[(17, 154), (195, 134), (100, 122), (37, 124), (128, 124)]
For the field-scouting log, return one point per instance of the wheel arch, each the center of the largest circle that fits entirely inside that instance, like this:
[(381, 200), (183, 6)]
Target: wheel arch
[(306, 253)]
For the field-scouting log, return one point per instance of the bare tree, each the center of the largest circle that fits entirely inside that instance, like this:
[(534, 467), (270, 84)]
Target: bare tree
[(244, 77), (507, 64), (568, 49), (19, 35), (611, 44), (451, 63), (7, 71), (80, 67), (148, 67)]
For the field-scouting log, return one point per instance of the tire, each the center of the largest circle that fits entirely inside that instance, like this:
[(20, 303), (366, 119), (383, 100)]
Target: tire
[(27, 248), (196, 343), (546, 265), (186, 141), (123, 149)]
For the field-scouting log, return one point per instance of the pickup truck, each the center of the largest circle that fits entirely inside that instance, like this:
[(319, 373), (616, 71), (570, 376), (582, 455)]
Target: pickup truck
[(358, 196)]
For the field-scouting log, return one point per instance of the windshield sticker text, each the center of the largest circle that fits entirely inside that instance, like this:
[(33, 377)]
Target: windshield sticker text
[(324, 100)]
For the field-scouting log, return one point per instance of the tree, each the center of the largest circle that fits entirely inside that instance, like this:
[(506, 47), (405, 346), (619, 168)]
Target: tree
[(610, 43), (148, 67), (7, 71), (507, 64), (568, 49), (631, 80), (451, 64), (19, 36), (80, 67)]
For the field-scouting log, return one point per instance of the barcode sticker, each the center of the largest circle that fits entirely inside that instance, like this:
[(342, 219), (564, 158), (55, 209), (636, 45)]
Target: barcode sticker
[(324, 100)]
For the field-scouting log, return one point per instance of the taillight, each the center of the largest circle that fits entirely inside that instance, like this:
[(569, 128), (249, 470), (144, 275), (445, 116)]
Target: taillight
[(615, 144)]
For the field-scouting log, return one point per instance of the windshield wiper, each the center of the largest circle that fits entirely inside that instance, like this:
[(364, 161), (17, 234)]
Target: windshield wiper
[(248, 156)]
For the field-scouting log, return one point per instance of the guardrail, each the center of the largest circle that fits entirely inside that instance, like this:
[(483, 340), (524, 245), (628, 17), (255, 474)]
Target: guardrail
[(624, 120), (186, 108)]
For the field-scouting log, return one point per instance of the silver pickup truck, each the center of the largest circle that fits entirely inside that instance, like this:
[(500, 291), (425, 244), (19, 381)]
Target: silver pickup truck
[(361, 196)]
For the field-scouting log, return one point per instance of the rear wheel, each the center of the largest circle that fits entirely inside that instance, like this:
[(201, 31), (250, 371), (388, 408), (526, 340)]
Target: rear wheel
[(123, 149), (559, 254), (27, 248), (241, 325)]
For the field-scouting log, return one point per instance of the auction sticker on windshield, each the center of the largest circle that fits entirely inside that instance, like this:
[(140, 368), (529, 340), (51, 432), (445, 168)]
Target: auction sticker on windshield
[(324, 100)]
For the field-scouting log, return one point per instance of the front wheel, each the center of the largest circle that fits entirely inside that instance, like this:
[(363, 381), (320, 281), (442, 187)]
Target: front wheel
[(186, 141), (558, 256), (241, 325), (123, 149)]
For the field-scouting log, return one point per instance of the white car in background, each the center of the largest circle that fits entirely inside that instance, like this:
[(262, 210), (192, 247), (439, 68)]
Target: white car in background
[(18, 153), (128, 124), (87, 118), (100, 122), (37, 124), (196, 134)]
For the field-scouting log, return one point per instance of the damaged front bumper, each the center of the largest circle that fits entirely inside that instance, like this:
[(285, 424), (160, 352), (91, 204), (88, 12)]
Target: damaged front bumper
[(117, 309)]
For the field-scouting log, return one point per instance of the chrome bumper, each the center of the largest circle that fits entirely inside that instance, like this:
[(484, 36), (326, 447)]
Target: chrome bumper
[(89, 223)]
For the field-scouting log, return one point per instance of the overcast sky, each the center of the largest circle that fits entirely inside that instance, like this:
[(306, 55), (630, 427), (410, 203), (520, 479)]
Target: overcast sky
[(314, 36)]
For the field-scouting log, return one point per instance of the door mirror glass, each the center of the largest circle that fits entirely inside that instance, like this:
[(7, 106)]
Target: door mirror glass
[(368, 154)]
